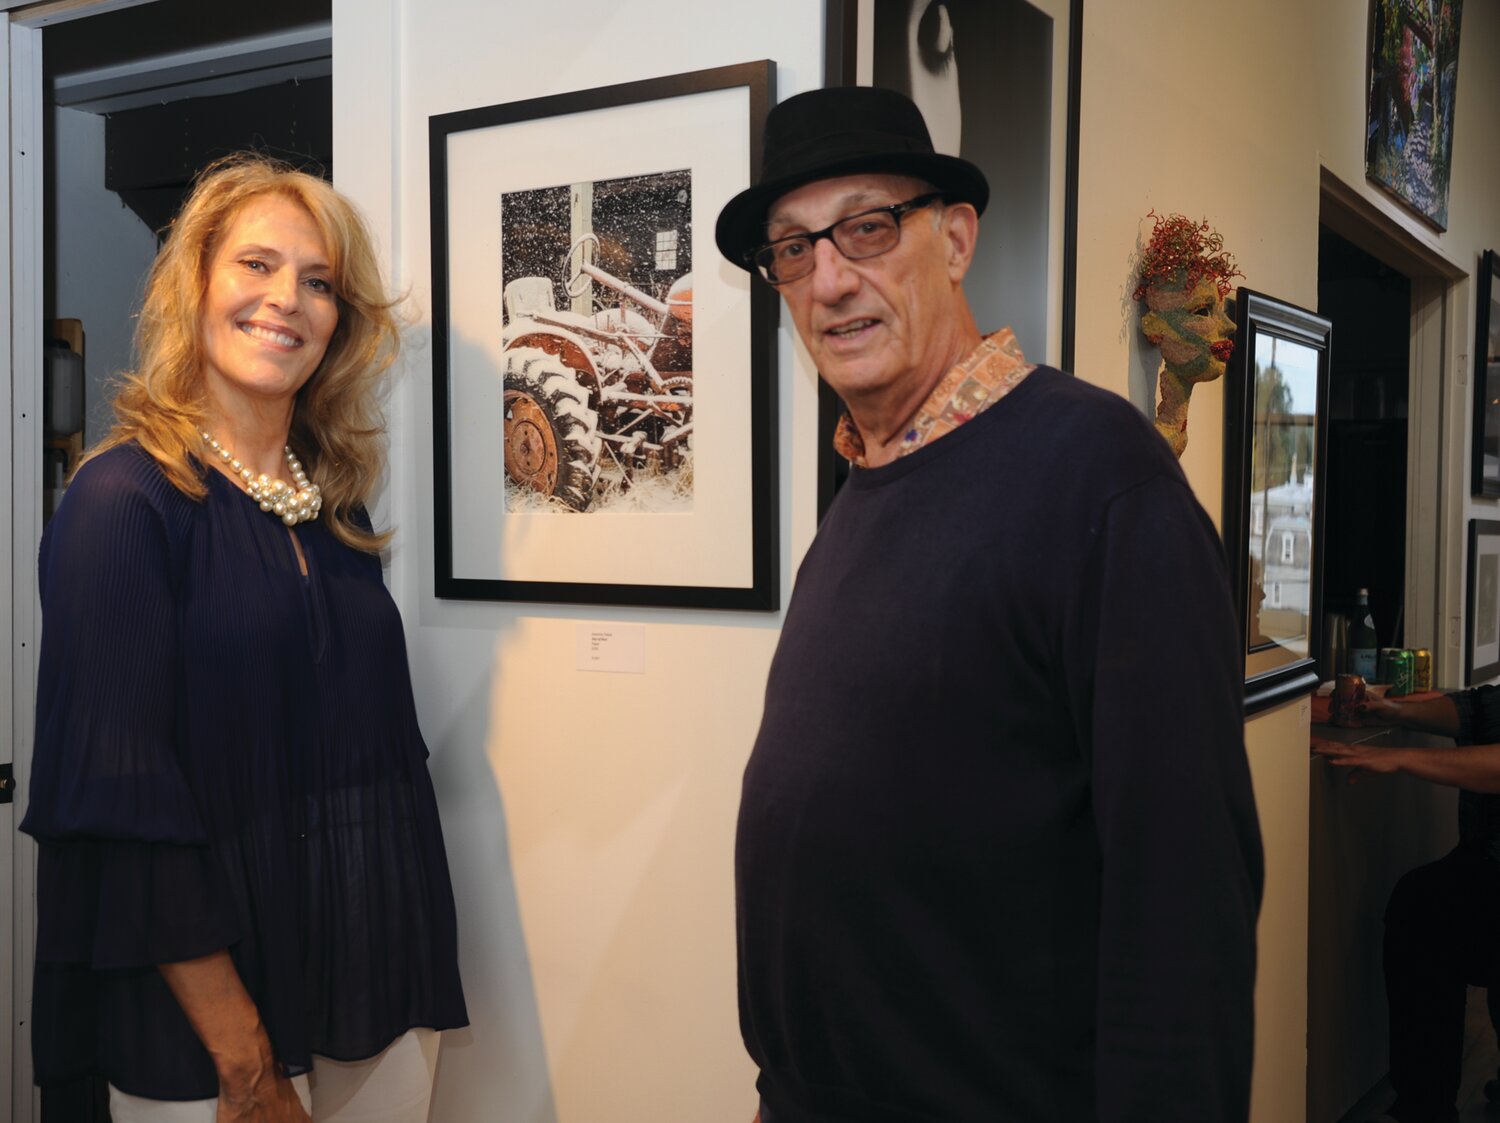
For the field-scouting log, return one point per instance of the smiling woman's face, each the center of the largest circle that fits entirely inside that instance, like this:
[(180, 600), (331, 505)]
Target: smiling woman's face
[(269, 309), (1191, 327)]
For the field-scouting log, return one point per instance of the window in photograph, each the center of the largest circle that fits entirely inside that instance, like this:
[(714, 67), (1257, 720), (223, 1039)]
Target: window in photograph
[(666, 250)]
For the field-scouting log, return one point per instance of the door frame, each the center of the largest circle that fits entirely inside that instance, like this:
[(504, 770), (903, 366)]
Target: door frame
[(1437, 486), (21, 292), (20, 198)]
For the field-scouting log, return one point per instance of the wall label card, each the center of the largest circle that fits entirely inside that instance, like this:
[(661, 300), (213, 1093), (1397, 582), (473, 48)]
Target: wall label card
[(620, 648)]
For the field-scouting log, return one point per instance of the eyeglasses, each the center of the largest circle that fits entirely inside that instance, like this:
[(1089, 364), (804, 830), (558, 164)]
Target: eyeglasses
[(867, 234)]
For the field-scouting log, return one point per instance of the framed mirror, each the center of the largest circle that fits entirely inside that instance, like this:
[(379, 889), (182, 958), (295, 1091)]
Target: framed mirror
[(1275, 477)]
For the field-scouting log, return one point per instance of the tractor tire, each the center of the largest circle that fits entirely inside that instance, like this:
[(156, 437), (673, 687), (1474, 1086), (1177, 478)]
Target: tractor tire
[(552, 438)]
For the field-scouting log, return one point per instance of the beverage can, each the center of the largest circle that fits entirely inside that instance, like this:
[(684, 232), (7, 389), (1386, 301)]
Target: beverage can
[(1403, 673), (1348, 693), (1423, 669), (1385, 669)]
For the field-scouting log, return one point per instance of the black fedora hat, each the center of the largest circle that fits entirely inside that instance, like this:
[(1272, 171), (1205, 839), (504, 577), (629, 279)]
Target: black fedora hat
[(841, 131)]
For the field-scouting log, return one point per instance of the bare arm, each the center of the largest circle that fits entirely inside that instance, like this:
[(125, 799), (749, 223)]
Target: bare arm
[(1431, 715), (222, 1014), (1473, 767)]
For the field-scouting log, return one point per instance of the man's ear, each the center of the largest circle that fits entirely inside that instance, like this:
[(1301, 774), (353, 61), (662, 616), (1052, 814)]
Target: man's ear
[(961, 234)]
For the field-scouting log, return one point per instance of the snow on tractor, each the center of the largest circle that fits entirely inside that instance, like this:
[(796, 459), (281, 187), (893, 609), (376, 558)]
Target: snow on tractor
[(586, 392)]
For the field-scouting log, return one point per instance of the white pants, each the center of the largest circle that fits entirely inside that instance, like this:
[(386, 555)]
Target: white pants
[(392, 1087)]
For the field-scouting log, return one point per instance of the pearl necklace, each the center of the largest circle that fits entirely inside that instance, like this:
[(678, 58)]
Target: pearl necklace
[(293, 503)]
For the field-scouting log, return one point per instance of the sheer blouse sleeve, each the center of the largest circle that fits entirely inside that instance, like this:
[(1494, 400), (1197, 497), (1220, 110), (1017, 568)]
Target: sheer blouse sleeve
[(125, 876)]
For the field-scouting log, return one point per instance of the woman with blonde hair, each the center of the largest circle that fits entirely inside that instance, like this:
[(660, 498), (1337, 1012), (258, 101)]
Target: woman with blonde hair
[(244, 910)]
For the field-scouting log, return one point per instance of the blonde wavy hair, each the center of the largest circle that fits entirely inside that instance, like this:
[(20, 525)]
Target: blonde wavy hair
[(338, 426)]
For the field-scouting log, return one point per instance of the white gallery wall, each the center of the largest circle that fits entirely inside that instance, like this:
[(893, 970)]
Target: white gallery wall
[(590, 817)]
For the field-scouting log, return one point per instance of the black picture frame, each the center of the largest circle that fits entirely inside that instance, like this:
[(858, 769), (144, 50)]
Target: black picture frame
[(1275, 426), (494, 172), (1485, 451), (843, 66), (1482, 603)]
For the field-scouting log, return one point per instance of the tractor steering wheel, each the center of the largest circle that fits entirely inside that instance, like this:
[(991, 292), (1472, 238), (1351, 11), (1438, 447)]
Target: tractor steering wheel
[(578, 283)]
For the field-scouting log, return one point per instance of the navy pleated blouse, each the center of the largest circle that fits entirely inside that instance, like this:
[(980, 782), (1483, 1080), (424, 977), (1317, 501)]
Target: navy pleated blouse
[(227, 756)]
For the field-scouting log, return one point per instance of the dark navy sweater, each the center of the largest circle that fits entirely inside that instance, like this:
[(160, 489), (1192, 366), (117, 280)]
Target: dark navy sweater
[(998, 856)]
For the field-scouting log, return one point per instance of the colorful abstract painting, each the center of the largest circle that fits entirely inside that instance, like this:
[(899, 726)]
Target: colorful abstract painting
[(1413, 82)]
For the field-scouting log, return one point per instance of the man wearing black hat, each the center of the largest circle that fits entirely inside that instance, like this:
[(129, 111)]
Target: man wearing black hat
[(997, 856)]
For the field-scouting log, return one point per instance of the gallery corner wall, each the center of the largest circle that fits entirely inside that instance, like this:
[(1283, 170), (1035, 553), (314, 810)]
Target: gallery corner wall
[(1236, 115), (1180, 115)]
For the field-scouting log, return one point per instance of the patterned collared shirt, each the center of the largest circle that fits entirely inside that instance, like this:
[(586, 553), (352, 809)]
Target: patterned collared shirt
[(984, 376)]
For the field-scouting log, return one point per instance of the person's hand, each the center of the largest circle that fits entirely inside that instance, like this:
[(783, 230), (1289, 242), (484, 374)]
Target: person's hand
[(1357, 758), (1377, 709), (267, 1098)]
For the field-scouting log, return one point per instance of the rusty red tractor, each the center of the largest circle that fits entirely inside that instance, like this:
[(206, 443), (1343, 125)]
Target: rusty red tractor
[(585, 392)]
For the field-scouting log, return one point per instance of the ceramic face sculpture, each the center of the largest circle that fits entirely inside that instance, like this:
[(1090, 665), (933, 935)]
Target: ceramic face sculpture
[(1184, 279), (1192, 328)]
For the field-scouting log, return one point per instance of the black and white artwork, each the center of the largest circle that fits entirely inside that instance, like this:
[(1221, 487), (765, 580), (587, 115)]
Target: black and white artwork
[(997, 82), (981, 72)]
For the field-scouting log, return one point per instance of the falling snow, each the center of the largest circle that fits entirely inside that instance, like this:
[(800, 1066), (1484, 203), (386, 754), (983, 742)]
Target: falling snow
[(643, 228)]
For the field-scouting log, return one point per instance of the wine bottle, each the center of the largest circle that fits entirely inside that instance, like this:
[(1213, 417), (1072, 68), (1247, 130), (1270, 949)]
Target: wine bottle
[(1364, 645)]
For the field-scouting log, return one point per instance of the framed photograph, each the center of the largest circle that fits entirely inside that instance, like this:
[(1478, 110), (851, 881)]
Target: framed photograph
[(1485, 453), (604, 385), (1413, 88), (1482, 635), (1275, 476), (998, 82)]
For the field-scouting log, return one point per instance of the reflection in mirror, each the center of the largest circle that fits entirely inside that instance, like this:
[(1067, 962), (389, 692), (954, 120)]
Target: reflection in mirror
[(1283, 456), (1275, 432)]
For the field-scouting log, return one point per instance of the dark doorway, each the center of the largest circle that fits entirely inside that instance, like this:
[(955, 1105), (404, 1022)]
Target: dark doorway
[(1369, 385)]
